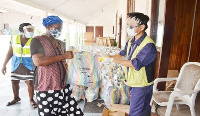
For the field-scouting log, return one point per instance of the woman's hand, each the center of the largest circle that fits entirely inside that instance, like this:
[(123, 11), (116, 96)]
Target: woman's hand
[(68, 55)]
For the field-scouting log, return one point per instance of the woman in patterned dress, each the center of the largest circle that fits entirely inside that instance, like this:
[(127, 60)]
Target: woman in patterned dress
[(48, 54)]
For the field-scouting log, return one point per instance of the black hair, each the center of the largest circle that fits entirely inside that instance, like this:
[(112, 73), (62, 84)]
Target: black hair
[(143, 19), (22, 25)]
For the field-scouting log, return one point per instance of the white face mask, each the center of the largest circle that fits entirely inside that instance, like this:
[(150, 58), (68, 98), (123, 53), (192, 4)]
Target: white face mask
[(131, 32), (29, 34)]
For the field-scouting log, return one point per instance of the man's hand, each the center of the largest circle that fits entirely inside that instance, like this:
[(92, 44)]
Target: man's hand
[(3, 70), (68, 55), (110, 56)]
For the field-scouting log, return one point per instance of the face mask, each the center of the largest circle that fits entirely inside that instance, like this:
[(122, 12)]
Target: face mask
[(131, 32), (29, 34), (55, 33)]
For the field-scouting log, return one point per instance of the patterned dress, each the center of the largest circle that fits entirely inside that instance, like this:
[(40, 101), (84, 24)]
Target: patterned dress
[(53, 95)]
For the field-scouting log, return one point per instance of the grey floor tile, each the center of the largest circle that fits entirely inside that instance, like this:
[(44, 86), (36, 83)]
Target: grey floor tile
[(2, 111), (10, 112)]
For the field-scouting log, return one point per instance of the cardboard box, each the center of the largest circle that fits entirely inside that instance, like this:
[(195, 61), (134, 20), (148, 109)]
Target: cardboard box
[(171, 84), (88, 39), (172, 73), (116, 110)]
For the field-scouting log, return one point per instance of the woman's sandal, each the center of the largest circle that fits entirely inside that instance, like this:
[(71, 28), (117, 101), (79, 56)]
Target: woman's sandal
[(14, 101), (33, 103)]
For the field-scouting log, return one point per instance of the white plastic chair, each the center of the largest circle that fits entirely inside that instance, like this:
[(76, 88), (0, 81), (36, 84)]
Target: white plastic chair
[(185, 90)]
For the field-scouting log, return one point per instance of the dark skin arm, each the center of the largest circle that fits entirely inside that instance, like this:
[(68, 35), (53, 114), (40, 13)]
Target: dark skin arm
[(42, 60), (8, 57), (119, 59)]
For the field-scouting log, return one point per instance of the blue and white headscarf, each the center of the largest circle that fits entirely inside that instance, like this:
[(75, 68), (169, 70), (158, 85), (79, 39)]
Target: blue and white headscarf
[(50, 20)]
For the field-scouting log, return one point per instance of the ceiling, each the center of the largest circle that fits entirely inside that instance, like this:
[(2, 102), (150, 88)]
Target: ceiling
[(13, 6), (82, 11)]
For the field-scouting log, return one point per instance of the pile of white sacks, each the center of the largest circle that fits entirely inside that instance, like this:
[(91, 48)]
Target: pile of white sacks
[(112, 87)]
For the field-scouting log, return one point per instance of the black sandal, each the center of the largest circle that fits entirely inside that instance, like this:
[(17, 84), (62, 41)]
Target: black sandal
[(33, 103), (13, 101)]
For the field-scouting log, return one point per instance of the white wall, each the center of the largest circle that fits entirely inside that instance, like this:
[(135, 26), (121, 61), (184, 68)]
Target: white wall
[(161, 11), (160, 30), (144, 6), (15, 19), (105, 18), (1, 21), (108, 31), (121, 8)]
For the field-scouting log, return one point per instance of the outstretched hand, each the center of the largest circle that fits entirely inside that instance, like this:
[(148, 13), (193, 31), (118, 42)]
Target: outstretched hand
[(68, 55)]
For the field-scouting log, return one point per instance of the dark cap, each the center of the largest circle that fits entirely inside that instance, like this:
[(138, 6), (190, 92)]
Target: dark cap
[(140, 18)]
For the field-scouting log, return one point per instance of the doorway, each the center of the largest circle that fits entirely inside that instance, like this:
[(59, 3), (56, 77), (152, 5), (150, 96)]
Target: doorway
[(98, 31), (90, 29), (120, 32)]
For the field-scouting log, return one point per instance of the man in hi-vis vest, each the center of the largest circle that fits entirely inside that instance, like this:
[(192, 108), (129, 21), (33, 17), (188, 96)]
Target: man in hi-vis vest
[(138, 57), (21, 64)]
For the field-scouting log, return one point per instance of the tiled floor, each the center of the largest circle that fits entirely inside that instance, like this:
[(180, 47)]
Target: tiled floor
[(22, 108)]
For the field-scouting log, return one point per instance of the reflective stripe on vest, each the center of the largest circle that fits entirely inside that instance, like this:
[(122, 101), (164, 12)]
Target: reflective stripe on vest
[(18, 50), (137, 78)]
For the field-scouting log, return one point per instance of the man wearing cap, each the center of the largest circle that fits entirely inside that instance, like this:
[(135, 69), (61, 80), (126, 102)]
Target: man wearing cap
[(48, 53), (22, 65), (138, 57)]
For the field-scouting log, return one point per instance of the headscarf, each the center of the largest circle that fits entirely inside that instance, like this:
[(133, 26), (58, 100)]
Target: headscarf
[(50, 20)]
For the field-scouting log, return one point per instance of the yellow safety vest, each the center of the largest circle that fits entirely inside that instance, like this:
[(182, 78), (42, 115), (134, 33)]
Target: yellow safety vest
[(137, 78), (21, 54), (18, 50)]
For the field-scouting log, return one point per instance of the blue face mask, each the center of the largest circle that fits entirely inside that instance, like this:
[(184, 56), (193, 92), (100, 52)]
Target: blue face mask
[(55, 32), (29, 34)]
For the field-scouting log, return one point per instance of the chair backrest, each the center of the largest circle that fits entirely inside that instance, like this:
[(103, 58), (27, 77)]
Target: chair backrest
[(103, 41), (188, 77)]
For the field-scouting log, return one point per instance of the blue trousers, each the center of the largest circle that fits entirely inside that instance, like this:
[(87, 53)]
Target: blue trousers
[(140, 98)]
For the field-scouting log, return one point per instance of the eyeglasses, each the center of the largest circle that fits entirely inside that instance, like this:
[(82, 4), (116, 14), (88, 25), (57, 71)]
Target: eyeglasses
[(131, 27)]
